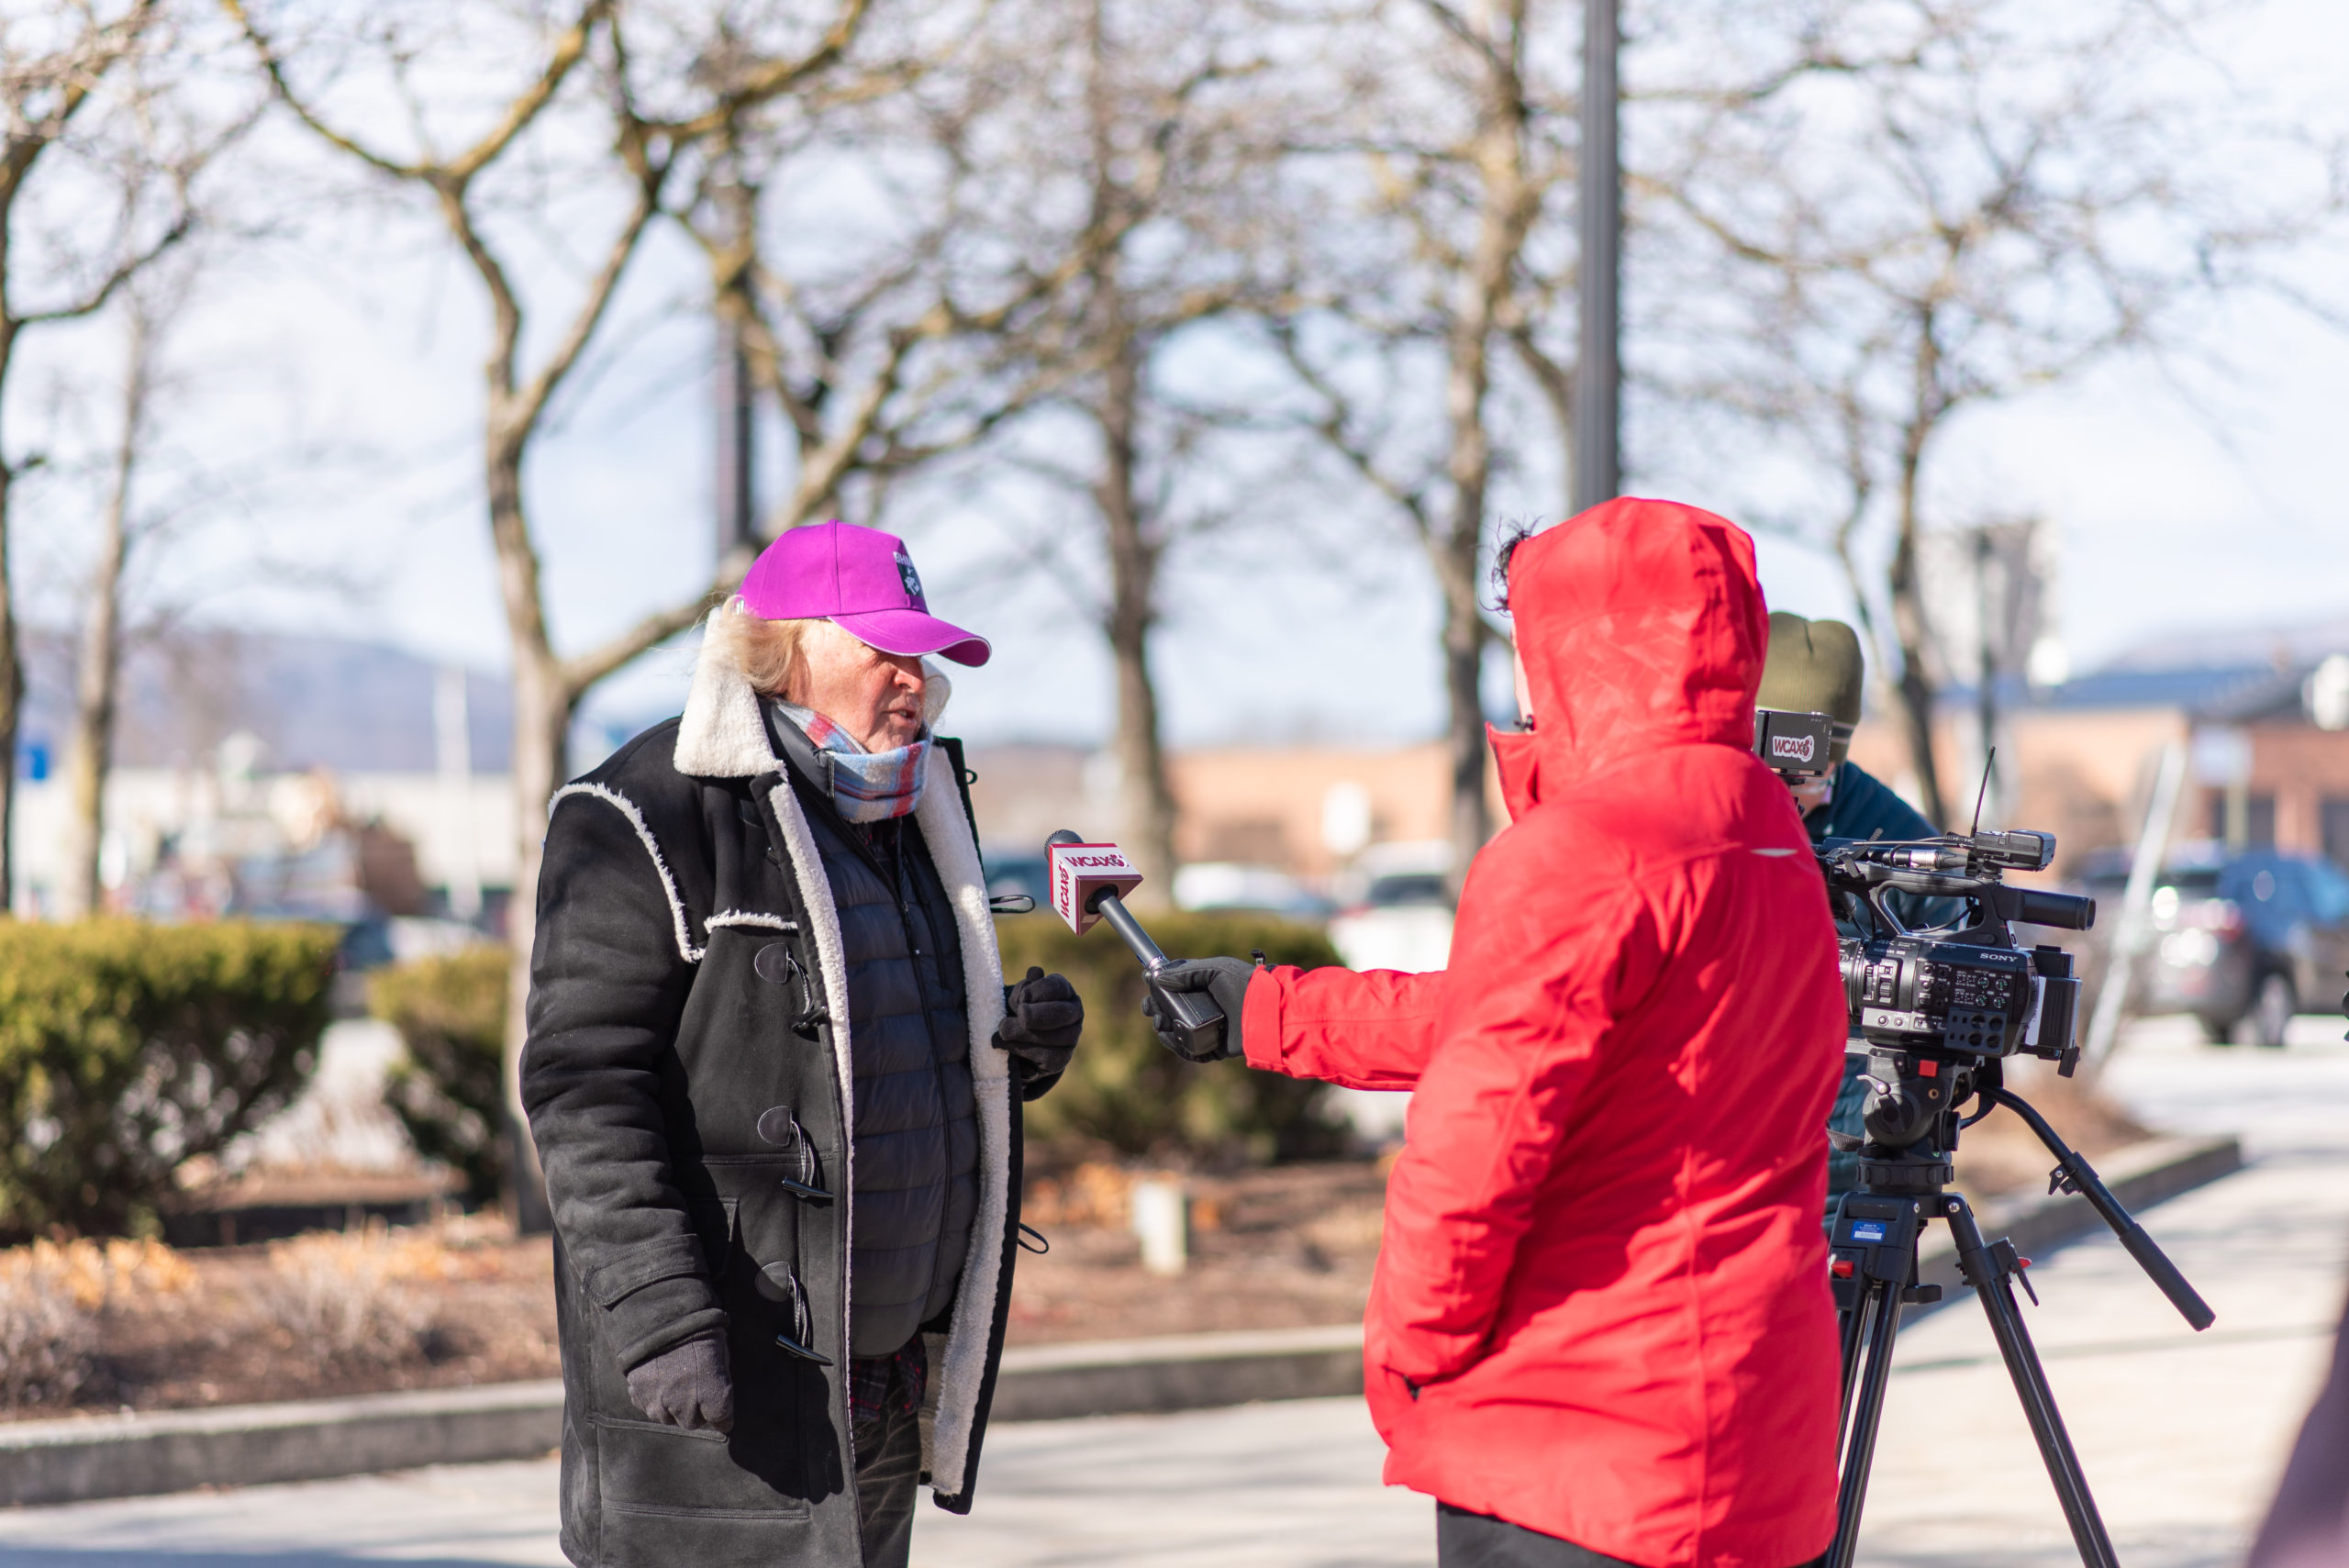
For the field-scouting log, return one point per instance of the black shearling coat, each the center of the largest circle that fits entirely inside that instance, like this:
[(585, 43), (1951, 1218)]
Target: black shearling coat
[(687, 1055)]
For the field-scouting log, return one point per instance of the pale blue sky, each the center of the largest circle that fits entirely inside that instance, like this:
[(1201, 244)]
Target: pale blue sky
[(2234, 511)]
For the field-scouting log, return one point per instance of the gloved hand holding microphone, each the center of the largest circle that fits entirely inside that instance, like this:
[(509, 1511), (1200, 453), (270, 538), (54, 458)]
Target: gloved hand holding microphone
[(1224, 981), (1194, 1003)]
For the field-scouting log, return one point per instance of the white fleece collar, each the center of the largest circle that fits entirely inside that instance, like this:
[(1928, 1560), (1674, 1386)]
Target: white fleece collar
[(721, 735)]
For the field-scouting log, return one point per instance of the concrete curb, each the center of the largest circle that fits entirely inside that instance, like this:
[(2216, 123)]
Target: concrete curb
[(79, 1460), (1177, 1372), (2140, 1176), (247, 1445)]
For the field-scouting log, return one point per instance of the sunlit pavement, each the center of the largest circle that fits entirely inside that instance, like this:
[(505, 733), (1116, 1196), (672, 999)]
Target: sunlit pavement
[(2181, 1434)]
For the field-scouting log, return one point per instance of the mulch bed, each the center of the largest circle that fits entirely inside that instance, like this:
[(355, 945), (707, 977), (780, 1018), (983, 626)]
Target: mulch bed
[(1282, 1248), (1288, 1247), (214, 1340)]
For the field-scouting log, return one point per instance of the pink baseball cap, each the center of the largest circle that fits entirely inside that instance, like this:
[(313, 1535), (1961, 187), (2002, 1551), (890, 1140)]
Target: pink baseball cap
[(862, 581)]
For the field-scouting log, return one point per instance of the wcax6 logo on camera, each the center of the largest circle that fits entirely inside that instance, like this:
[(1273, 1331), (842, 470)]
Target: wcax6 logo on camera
[(1793, 748)]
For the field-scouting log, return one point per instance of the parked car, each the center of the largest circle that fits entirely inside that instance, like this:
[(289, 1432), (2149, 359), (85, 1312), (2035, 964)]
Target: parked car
[(2243, 940), (1228, 884), (1399, 914)]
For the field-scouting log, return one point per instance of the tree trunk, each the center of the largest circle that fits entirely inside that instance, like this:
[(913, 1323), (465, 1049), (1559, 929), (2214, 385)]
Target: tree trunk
[(96, 674), (1457, 551), (1915, 686), (1457, 548), (1465, 636), (542, 707), (12, 675), (1146, 797), (12, 694)]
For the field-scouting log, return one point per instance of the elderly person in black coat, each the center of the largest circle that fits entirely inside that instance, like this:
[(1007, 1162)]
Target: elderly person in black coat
[(775, 1077)]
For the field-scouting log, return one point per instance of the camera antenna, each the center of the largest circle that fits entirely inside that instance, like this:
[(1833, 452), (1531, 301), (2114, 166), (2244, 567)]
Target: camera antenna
[(1988, 764)]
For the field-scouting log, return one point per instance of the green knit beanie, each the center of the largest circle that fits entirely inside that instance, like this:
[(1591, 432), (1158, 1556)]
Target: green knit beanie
[(1815, 666)]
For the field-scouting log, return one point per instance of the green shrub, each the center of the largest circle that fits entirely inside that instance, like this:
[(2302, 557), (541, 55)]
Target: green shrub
[(1122, 1091), (127, 1048), (450, 1089), (1125, 1090)]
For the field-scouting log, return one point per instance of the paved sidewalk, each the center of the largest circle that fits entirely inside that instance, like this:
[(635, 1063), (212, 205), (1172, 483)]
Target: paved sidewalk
[(450, 1516), (2181, 1434)]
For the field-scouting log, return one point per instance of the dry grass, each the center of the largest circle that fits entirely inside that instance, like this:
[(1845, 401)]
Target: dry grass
[(1096, 1192), (51, 1295), (352, 1298)]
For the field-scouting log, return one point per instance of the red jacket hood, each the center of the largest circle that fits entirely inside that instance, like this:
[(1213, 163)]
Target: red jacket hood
[(1642, 625)]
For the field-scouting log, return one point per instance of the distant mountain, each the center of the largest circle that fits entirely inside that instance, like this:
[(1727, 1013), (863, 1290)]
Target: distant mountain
[(313, 702)]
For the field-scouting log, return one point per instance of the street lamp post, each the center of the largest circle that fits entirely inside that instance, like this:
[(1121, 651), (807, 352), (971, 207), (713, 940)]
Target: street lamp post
[(1598, 440)]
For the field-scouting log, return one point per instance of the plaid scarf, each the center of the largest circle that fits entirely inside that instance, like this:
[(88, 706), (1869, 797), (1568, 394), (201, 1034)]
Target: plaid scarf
[(867, 786)]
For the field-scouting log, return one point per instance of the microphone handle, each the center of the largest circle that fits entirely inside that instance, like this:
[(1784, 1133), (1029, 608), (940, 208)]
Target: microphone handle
[(1193, 1012), (1112, 908)]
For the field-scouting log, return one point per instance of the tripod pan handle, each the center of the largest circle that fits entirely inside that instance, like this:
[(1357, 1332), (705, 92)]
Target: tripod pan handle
[(2080, 1177), (2150, 1257)]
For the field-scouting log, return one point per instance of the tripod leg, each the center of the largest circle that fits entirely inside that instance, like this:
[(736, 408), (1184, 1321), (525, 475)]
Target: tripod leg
[(1853, 1324), (1987, 1269), (1874, 1322)]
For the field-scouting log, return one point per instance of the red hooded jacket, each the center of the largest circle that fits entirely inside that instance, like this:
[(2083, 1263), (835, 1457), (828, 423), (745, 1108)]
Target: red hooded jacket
[(1601, 1308)]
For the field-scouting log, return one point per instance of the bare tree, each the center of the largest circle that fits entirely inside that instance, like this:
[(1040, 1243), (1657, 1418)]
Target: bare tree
[(1463, 173), (1916, 210), (90, 756), (1036, 171), (1164, 150), (655, 117), (85, 204), (881, 352)]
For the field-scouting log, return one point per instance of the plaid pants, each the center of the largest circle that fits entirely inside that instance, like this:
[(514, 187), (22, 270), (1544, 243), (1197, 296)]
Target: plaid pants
[(884, 1406)]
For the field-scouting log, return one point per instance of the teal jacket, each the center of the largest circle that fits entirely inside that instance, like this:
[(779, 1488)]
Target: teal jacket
[(1861, 806)]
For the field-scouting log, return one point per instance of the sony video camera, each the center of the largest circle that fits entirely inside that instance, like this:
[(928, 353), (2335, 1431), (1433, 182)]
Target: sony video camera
[(1966, 991)]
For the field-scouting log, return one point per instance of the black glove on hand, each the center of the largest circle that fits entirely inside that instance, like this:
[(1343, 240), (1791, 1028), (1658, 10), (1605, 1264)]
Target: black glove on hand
[(1223, 979), (1042, 1016), (689, 1386)]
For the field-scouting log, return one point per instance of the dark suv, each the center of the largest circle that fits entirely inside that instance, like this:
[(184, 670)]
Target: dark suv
[(2242, 941)]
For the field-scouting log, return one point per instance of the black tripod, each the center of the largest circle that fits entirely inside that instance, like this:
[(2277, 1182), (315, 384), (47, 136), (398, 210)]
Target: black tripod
[(1873, 1262)]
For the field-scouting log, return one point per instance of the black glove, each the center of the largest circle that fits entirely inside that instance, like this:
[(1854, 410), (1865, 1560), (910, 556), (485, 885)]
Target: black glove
[(689, 1386), (1223, 979), (1042, 1016)]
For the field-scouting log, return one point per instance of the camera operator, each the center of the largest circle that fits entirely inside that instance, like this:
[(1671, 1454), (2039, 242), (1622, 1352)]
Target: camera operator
[(1815, 666), (774, 1078), (1600, 1330)]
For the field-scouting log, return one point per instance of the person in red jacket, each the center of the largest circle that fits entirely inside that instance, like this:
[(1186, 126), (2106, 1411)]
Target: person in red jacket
[(1600, 1330)]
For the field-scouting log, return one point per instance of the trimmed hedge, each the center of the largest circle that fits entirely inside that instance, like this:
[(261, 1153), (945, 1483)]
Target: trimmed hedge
[(1125, 1090), (449, 1091), (127, 1048)]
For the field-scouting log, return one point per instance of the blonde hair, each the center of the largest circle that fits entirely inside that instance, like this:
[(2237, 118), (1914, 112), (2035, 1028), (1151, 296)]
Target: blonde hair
[(770, 654), (773, 655)]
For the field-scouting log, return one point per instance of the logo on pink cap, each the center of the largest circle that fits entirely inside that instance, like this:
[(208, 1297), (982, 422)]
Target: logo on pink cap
[(861, 580)]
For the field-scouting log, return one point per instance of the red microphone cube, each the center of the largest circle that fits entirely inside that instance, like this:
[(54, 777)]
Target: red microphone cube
[(1079, 873)]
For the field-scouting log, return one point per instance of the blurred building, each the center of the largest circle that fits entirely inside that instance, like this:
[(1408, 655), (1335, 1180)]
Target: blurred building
[(2262, 717), (280, 775), (1308, 810)]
